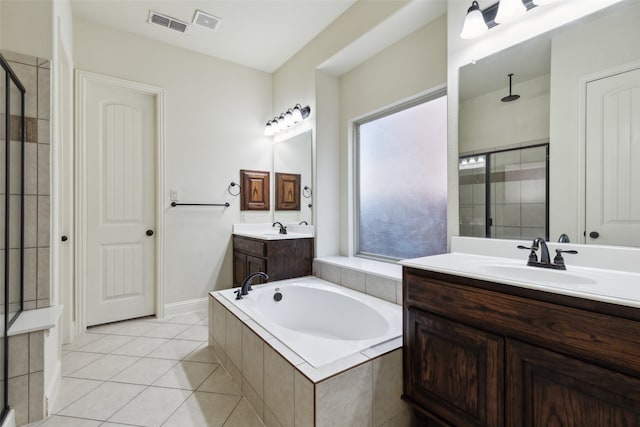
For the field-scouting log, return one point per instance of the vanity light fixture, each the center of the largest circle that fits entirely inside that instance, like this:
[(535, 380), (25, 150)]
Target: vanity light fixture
[(498, 13), (288, 119)]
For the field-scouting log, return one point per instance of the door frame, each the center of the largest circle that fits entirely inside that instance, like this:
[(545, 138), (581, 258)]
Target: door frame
[(83, 79), (582, 137)]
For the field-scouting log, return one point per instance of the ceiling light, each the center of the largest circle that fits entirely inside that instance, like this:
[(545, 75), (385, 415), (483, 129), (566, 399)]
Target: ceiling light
[(508, 10), (474, 23)]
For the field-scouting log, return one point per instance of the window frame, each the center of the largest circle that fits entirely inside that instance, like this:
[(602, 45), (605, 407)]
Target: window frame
[(384, 112)]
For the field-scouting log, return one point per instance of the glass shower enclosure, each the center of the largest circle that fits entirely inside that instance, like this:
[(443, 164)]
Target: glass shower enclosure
[(12, 146)]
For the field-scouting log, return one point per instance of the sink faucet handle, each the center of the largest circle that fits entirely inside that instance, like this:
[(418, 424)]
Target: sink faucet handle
[(533, 257), (558, 258)]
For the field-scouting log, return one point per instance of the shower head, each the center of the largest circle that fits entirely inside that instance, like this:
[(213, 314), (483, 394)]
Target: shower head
[(510, 97)]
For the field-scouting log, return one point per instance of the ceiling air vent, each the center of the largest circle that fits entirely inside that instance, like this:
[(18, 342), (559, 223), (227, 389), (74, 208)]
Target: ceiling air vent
[(206, 20), (167, 21)]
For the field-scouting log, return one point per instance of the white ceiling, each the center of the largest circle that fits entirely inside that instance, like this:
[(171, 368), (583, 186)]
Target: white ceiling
[(261, 34)]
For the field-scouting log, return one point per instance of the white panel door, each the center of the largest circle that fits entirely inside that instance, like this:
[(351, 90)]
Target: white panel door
[(613, 160), (120, 204)]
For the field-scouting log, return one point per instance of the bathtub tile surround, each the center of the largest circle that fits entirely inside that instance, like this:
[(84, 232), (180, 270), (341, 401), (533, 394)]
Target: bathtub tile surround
[(287, 391), (379, 279)]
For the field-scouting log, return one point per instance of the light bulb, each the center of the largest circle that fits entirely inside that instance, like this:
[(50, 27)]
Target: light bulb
[(288, 118), (508, 10), (268, 129), (474, 23), (297, 114)]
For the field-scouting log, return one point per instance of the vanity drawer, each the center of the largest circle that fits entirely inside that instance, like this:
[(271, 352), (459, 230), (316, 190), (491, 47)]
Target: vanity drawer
[(558, 327), (250, 246)]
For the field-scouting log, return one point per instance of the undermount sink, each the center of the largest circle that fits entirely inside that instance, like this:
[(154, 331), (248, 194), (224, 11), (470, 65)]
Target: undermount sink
[(536, 274)]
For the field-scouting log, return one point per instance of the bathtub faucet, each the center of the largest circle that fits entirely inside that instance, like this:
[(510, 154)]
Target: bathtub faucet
[(283, 229), (246, 285)]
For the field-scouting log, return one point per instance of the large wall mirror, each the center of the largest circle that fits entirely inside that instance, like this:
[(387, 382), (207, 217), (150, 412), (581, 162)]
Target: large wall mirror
[(562, 157), (292, 167)]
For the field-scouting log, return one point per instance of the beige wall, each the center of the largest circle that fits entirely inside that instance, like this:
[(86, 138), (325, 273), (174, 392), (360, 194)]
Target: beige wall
[(215, 113), (16, 15), (406, 69)]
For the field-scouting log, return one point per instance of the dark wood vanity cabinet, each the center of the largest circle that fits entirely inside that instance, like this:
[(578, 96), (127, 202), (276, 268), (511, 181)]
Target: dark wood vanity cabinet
[(280, 259), (478, 353)]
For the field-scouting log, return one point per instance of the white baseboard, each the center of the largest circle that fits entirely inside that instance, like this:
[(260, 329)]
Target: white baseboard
[(186, 306), (51, 393)]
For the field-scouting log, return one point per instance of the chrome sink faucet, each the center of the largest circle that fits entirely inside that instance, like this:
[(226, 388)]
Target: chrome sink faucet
[(283, 229), (545, 259), (246, 285)]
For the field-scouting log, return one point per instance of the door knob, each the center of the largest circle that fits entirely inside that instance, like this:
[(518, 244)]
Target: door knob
[(64, 238), (594, 234), (149, 232)]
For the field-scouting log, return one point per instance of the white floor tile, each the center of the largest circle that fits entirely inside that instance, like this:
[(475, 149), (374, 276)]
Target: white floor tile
[(140, 346), (75, 360), (137, 328), (186, 375), (203, 353), (174, 349), (187, 318), (243, 416), (203, 409), (103, 402), (194, 333), (151, 407), (145, 371), (81, 341), (59, 421), (72, 389), (106, 367), (166, 330), (107, 343), (220, 382)]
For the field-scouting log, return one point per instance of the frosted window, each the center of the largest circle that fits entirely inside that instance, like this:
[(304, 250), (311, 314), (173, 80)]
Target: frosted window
[(402, 182)]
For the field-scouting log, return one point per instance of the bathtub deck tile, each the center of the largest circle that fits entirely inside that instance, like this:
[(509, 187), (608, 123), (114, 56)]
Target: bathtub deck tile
[(319, 374), (285, 352), (382, 348), (262, 332)]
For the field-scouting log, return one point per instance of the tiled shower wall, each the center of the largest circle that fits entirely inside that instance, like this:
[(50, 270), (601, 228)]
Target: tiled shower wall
[(35, 75), (26, 351)]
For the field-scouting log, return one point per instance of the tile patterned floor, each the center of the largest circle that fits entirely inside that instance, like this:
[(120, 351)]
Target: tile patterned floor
[(147, 372)]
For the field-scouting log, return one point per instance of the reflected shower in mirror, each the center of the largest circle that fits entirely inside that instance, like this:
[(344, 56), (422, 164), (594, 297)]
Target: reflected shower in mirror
[(292, 162)]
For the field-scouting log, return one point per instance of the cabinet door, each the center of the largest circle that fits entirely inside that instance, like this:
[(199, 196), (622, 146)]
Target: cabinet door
[(544, 388), (454, 371), (239, 268), (255, 265)]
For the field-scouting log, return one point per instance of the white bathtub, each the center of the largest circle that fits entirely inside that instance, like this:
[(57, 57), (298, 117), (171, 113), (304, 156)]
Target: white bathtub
[(318, 320)]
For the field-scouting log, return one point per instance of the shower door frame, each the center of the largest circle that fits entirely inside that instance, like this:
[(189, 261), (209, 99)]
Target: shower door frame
[(11, 77)]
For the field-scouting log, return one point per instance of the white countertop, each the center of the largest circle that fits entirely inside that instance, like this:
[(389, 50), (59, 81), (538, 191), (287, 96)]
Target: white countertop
[(266, 231), (600, 284)]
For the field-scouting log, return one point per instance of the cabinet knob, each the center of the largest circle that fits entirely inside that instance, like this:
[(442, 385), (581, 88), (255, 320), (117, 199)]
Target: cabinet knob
[(149, 233), (64, 238), (594, 234)]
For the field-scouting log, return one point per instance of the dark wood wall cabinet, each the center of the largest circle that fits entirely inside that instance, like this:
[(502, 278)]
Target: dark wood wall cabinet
[(478, 353), (280, 259)]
